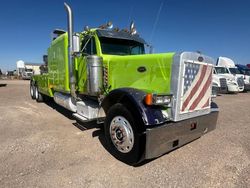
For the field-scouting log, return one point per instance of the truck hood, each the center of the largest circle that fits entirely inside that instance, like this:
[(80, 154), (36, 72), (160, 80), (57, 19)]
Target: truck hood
[(148, 72), (239, 75), (227, 76)]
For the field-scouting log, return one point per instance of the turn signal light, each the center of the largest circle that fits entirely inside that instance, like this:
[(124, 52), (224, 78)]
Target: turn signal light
[(154, 99), (149, 99)]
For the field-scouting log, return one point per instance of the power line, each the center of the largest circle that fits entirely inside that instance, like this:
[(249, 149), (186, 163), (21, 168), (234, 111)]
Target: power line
[(130, 14), (156, 20)]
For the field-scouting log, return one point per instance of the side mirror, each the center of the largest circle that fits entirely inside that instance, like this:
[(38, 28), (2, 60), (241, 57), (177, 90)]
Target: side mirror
[(76, 44), (151, 49), (45, 59)]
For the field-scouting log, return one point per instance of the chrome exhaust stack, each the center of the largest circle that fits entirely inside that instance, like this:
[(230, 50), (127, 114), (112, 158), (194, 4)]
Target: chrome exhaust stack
[(72, 79)]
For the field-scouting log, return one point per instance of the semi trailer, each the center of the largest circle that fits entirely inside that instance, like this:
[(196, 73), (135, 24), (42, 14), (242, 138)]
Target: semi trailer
[(149, 104)]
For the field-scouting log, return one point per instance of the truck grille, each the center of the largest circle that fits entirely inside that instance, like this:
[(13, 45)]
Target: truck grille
[(191, 85), (223, 84), (196, 86), (240, 82)]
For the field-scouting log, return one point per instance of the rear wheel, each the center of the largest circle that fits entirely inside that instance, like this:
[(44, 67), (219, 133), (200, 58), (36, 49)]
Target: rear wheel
[(32, 91), (38, 95), (122, 135)]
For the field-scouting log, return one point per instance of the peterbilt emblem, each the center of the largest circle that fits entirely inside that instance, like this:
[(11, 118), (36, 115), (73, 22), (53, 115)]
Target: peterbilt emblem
[(200, 59), (141, 69)]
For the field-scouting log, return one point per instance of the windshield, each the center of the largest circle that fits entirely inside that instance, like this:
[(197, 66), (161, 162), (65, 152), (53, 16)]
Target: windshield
[(234, 71), (221, 70), (246, 72), (121, 47), (28, 70)]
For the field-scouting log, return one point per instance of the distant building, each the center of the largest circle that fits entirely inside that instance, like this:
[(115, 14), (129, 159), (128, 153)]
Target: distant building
[(20, 67)]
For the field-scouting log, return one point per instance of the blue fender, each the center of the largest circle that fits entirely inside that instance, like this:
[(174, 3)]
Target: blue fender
[(134, 98)]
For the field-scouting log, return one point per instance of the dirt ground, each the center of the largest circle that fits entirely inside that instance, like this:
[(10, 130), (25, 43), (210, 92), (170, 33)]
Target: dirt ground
[(41, 146)]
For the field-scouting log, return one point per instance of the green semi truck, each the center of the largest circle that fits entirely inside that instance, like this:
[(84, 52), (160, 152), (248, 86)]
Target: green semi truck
[(149, 104)]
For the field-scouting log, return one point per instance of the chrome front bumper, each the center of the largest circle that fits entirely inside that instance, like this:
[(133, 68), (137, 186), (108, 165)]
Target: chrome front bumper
[(169, 136)]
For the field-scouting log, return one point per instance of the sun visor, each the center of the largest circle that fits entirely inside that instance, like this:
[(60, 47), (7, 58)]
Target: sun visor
[(119, 35)]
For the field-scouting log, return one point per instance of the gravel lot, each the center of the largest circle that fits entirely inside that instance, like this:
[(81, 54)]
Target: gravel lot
[(41, 146)]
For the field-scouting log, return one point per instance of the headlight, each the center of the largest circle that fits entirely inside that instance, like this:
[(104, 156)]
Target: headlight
[(154, 99)]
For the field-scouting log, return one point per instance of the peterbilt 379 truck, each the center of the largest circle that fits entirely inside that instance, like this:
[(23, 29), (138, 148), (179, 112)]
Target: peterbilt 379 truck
[(149, 104)]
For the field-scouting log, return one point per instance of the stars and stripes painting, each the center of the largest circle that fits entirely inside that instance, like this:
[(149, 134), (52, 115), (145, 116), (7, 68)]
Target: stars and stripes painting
[(196, 86)]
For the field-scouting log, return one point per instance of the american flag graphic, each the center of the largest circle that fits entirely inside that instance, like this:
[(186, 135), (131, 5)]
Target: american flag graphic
[(196, 86)]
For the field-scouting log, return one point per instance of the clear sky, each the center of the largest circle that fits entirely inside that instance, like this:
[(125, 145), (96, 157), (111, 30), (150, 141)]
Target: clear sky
[(214, 27)]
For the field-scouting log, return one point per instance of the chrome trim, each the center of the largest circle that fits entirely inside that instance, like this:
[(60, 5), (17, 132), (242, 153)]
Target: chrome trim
[(95, 75), (176, 84), (169, 136), (87, 108), (72, 79), (65, 101), (121, 134)]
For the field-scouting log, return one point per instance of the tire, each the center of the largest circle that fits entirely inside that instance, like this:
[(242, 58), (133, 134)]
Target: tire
[(122, 135), (32, 91), (38, 95)]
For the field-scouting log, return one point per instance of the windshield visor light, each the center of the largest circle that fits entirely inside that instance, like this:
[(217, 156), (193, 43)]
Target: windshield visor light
[(153, 99)]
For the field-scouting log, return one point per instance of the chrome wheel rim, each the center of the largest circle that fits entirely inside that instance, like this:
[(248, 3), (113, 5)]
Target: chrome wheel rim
[(121, 134)]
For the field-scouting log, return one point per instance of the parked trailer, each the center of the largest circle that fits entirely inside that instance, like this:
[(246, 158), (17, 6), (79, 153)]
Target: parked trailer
[(149, 103)]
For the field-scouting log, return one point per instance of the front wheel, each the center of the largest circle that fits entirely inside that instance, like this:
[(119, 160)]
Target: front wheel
[(122, 135)]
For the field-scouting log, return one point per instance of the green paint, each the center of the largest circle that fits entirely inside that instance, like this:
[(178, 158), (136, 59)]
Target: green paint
[(122, 70), (58, 64)]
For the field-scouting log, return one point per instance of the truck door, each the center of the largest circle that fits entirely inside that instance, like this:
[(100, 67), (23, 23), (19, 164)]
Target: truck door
[(88, 47)]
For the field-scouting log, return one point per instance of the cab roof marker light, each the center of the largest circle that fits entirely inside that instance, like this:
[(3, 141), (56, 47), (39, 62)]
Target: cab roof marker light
[(109, 25)]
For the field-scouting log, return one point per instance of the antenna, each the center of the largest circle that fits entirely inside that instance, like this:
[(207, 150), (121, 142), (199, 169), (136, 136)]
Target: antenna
[(156, 20), (130, 13)]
